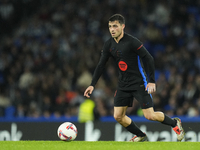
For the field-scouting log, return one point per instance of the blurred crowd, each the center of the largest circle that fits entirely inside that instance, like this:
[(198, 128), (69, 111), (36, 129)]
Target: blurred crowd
[(49, 52)]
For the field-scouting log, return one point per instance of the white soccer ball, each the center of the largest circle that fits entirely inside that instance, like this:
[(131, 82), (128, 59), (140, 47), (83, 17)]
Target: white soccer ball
[(67, 131)]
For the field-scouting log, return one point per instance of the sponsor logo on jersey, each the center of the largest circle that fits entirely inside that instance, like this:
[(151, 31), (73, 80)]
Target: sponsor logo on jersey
[(122, 66)]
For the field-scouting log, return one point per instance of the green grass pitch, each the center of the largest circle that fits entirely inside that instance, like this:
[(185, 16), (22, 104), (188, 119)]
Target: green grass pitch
[(99, 145)]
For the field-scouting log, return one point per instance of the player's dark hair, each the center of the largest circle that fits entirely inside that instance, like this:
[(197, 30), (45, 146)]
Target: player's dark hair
[(117, 17)]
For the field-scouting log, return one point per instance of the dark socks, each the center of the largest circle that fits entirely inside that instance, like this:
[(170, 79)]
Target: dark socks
[(169, 121), (133, 128)]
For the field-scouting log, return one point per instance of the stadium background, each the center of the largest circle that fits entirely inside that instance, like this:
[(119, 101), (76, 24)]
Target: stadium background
[(49, 50)]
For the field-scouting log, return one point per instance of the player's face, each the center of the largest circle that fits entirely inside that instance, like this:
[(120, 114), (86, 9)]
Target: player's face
[(115, 28)]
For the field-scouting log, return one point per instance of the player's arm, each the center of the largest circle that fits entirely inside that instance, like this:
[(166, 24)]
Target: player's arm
[(98, 71), (146, 56)]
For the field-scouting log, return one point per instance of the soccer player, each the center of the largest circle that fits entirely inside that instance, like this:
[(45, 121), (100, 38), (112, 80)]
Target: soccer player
[(129, 53)]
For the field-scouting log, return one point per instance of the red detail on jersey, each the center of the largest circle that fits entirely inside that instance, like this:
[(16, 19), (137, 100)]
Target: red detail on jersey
[(122, 66), (115, 93), (140, 47)]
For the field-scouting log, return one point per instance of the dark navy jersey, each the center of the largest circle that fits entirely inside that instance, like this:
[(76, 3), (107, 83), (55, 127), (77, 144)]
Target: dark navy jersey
[(128, 53)]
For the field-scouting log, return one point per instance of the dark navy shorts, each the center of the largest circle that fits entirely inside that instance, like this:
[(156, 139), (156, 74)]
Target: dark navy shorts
[(125, 98)]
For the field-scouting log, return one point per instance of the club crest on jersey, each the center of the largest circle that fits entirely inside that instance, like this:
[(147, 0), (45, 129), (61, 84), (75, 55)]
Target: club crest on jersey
[(122, 66)]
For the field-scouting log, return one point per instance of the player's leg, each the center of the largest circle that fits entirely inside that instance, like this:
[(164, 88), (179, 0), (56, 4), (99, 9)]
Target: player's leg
[(121, 117), (150, 114), (175, 123), (146, 103), (121, 102)]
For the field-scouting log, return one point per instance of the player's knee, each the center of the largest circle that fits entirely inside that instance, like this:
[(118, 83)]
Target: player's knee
[(118, 118), (149, 116)]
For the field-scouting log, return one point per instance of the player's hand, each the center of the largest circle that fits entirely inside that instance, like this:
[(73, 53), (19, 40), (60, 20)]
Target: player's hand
[(88, 91), (151, 88)]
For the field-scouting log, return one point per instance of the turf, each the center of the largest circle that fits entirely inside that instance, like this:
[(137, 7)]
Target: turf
[(99, 145)]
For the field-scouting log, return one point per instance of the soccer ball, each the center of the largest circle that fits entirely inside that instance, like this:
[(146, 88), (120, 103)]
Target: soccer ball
[(67, 131)]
